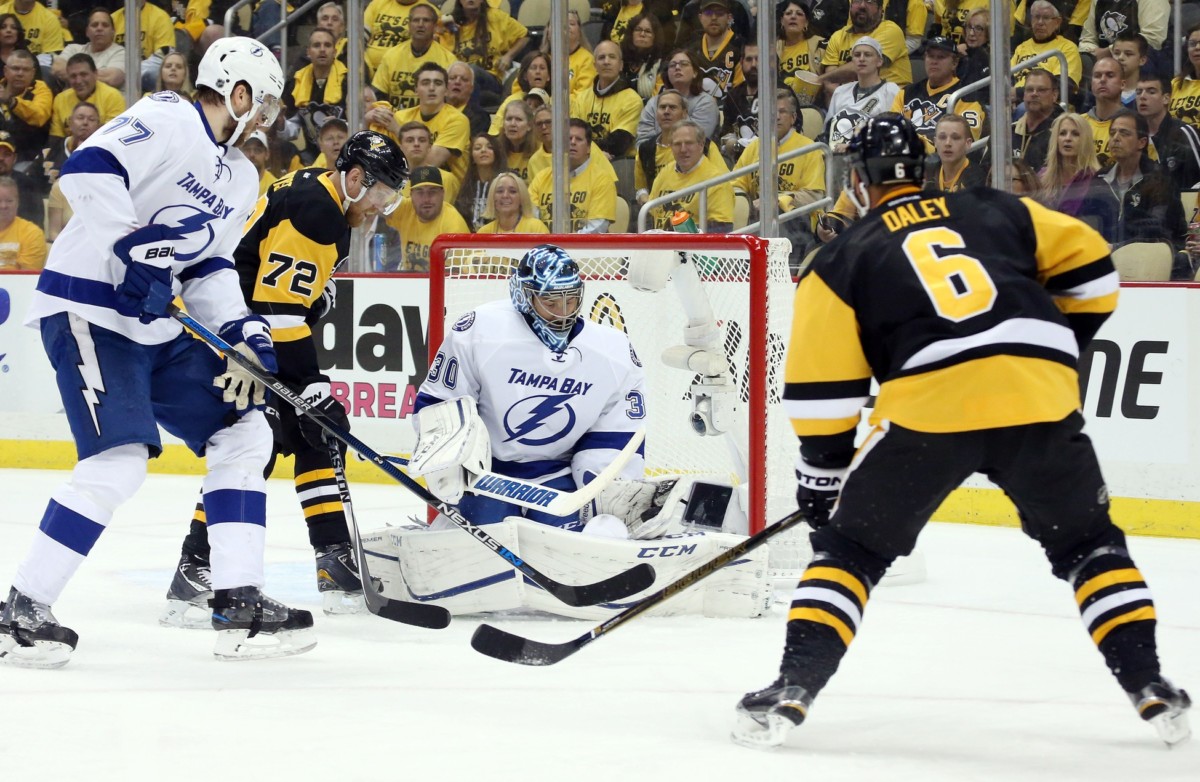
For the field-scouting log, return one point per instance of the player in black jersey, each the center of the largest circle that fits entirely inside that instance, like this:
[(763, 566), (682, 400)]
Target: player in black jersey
[(297, 236), (970, 309)]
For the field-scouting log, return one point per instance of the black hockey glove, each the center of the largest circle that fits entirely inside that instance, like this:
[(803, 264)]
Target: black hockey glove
[(323, 304), (817, 491), (318, 395)]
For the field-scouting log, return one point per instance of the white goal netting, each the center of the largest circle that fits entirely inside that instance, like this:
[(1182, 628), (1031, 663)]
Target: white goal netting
[(748, 285)]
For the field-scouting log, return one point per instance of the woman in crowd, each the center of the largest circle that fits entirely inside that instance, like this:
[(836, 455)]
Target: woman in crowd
[(487, 160), (534, 74), (518, 141), (484, 36), (975, 53), (683, 74), (173, 75), (1023, 180), (1071, 165), (510, 209), (953, 170), (1185, 87), (797, 46), (12, 36), (854, 102), (581, 68), (543, 128), (641, 54)]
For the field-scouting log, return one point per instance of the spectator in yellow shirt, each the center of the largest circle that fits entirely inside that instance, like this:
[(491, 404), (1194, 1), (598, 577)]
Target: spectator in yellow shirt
[(25, 104), (451, 130), (592, 187), (81, 76), (510, 209), (157, 38), (485, 37), (43, 29), (330, 140), (691, 167), (22, 244), (395, 78), (423, 217), (255, 150), (85, 120)]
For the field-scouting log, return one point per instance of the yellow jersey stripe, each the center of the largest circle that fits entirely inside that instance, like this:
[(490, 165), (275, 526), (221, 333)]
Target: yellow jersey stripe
[(838, 576), (1137, 615), (324, 507), (1102, 304), (315, 475), (813, 427), (823, 618)]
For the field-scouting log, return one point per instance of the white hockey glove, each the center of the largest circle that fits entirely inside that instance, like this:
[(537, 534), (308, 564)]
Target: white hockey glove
[(452, 444), (647, 507), (250, 336)]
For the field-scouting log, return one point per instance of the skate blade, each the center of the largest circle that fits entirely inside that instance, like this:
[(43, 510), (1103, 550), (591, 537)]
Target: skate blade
[(237, 645), (185, 615), (1172, 727), (336, 601), (42, 654), (749, 732)]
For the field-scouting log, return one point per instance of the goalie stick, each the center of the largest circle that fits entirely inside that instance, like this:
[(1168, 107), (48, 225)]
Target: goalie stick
[(420, 614), (511, 648), (615, 587)]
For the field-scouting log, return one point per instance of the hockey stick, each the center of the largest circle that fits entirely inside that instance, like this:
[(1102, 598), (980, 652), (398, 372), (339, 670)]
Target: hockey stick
[(420, 614), (554, 502), (514, 649), (614, 588)]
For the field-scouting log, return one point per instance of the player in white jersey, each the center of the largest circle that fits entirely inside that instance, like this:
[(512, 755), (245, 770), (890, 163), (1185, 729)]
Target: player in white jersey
[(160, 195), (556, 395)]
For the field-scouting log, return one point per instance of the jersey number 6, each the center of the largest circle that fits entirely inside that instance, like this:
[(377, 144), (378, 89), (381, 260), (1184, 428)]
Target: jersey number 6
[(957, 284)]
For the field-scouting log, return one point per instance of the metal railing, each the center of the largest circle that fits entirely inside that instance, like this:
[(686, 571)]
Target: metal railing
[(702, 187)]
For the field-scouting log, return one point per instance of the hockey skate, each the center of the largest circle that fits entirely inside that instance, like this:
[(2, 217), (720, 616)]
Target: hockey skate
[(252, 626), (188, 595), (30, 636), (765, 717), (1165, 707), (338, 581)]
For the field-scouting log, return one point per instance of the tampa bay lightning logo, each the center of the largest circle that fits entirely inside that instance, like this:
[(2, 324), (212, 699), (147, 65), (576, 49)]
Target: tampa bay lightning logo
[(223, 170), (195, 224), (549, 415), (465, 322)]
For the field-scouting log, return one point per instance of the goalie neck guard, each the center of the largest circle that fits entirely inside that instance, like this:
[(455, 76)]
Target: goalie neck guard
[(546, 288)]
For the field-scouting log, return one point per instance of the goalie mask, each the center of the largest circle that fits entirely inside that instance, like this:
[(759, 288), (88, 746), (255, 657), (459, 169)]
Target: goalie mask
[(546, 288)]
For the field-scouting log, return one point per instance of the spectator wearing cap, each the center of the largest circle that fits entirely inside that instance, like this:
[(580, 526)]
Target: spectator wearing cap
[(592, 196), (395, 78), (255, 149), (108, 56), (84, 121), (691, 24), (330, 140), (317, 91), (450, 129), (460, 93), (1178, 143), (1046, 23), (85, 87), (421, 218), (22, 243), (25, 105), (718, 50), (32, 190), (866, 18), (611, 107), (853, 103), (1031, 133), (924, 103)]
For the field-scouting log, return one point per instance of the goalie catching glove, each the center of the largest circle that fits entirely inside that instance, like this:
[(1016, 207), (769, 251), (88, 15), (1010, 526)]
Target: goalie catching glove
[(817, 491), (452, 444), (646, 507)]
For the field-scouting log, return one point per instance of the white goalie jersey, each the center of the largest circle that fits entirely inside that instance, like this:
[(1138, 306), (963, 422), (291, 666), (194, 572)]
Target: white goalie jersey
[(547, 414), (142, 167)]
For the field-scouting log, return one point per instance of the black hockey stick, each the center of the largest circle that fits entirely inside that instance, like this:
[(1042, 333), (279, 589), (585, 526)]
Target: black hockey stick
[(514, 649), (616, 587), (420, 614)]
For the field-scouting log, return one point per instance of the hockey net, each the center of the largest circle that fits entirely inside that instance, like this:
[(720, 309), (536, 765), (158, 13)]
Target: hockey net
[(749, 287)]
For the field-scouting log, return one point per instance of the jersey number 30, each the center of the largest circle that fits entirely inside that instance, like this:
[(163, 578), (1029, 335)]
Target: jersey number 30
[(956, 283)]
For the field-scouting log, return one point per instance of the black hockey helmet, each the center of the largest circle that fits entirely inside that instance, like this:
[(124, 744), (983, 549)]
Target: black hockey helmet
[(888, 150), (380, 158)]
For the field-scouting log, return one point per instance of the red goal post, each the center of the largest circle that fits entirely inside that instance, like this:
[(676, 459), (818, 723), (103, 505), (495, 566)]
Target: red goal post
[(746, 280)]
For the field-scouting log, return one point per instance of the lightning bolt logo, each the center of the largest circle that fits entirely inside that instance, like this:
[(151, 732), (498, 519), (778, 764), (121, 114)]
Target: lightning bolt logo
[(543, 409), (89, 368)]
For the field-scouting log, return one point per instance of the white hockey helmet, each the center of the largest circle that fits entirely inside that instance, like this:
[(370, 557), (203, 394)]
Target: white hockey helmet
[(238, 59)]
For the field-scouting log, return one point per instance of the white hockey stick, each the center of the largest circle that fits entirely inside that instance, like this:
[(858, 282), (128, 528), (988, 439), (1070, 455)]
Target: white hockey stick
[(555, 502)]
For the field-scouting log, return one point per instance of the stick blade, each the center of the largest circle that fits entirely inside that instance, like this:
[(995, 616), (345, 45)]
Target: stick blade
[(417, 614), (620, 586), (509, 648)]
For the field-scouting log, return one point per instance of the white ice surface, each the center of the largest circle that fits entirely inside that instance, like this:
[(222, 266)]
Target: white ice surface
[(982, 673)]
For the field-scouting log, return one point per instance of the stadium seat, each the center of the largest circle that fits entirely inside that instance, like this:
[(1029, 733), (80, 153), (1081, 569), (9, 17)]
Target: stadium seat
[(448, 7), (536, 13), (811, 122), (1188, 199), (741, 211), (621, 224), (1144, 261), (624, 168)]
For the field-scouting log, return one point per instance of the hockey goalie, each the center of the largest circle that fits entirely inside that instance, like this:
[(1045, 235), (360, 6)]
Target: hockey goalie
[(530, 421)]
